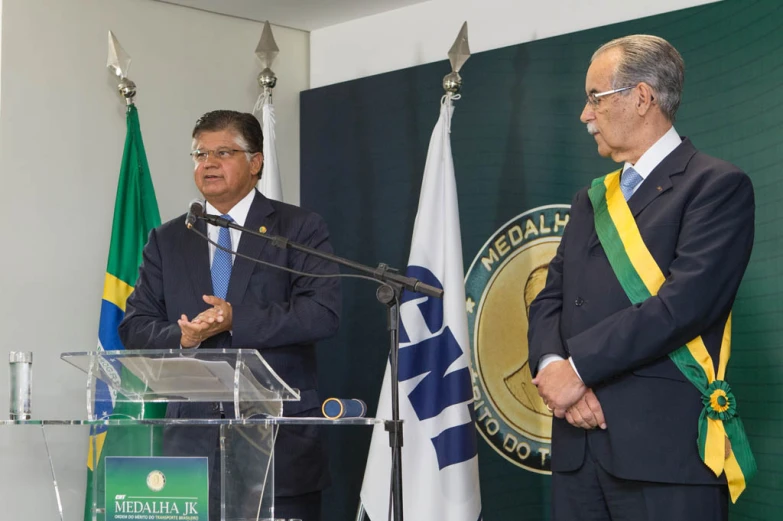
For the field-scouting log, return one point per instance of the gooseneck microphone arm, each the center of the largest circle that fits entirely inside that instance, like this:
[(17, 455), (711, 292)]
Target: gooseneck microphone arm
[(382, 272)]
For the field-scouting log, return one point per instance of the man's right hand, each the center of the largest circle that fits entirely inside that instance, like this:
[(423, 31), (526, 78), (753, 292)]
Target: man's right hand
[(193, 333), (207, 324), (586, 413)]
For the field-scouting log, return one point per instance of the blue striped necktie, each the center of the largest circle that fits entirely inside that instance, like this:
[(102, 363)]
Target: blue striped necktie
[(221, 262), (629, 180)]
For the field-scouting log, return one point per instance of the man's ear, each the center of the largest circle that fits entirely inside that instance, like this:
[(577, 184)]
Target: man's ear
[(645, 98), (257, 164)]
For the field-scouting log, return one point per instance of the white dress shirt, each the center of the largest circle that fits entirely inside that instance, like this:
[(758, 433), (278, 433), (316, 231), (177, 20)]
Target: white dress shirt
[(239, 214), (645, 165), (654, 155)]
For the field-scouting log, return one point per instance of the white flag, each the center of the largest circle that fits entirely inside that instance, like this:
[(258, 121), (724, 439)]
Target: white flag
[(439, 455), (269, 184)]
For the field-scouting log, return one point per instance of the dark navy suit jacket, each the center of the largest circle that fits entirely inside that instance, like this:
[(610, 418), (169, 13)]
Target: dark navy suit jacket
[(696, 216), (280, 314)]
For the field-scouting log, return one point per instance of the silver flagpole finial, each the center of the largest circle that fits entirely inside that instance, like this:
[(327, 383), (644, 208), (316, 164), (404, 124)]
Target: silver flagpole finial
[(458, 55), (119, 63), (267, 51)]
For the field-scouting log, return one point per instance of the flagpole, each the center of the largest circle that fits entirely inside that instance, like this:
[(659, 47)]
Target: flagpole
[(390, 294), (119, 63), (269, 182)]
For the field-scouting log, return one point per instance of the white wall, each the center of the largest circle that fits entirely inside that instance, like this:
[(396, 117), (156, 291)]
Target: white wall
[(423, 33), (61, 137)]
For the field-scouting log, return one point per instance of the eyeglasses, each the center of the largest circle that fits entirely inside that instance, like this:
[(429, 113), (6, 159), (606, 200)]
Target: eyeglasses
[(594, 98), (221, 154)]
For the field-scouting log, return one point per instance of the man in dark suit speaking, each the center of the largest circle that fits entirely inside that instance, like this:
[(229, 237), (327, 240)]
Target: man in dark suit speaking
[(192, 295), (629, 339)]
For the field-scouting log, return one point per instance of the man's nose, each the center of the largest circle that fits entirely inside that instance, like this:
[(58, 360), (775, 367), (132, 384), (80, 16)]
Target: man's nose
[(587, 114)]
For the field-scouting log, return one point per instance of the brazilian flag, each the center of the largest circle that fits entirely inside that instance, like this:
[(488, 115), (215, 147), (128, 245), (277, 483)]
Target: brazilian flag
[(135, 214)]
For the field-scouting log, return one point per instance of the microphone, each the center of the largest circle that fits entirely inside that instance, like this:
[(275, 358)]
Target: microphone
[(195, 210), (216, 220), (335, 408)]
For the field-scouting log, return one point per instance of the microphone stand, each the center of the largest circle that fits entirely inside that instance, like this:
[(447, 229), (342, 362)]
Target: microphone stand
[(389, 294)]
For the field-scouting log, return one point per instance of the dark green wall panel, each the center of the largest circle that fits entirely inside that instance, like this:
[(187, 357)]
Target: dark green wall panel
[(518, 144)]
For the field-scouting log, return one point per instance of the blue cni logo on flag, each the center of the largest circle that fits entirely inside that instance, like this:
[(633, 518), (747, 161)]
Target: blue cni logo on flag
[(438, 389)]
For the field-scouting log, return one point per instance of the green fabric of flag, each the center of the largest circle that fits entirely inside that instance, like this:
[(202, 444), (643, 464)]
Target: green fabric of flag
[(135, 214)]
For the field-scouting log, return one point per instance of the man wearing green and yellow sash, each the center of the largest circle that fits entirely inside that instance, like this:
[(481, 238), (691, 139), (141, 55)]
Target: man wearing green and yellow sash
[(630, 338)]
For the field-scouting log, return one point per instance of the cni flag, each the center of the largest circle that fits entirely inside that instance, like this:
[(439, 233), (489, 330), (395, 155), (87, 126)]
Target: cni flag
[(439, 456)]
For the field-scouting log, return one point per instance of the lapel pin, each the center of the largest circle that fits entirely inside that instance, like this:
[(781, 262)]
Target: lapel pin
[(660, 188), (263, 228)]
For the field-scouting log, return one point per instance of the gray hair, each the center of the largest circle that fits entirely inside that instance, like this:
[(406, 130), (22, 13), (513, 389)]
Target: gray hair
[(654, 61)]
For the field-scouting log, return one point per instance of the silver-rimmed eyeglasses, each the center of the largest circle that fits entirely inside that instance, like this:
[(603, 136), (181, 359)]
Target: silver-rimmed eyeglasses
[(221, 154), (594, 98)]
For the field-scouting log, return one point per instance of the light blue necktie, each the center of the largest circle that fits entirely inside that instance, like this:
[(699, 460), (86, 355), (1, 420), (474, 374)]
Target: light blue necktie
[(629, 180), (221, 262)]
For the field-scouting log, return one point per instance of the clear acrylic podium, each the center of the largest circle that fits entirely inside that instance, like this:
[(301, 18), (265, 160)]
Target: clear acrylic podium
[(227, 406)]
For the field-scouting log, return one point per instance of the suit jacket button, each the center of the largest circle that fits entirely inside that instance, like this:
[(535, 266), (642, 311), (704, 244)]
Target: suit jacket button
[(579, 301)]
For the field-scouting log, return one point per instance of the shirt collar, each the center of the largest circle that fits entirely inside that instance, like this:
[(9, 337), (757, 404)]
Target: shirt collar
[(656, 153), (240, 210)]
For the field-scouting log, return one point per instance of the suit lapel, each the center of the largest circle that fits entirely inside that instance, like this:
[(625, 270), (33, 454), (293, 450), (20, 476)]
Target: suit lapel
[(659, 181), (261, 213), (195, 252)]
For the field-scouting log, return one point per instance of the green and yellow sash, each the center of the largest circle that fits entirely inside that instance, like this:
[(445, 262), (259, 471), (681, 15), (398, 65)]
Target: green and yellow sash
[(722, 442)]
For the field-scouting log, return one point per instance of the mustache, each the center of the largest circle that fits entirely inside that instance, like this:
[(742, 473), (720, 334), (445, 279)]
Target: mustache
[(591, 129)]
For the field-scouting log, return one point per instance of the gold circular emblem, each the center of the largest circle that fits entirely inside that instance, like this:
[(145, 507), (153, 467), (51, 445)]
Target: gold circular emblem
[(505, 277), (156, 480)]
